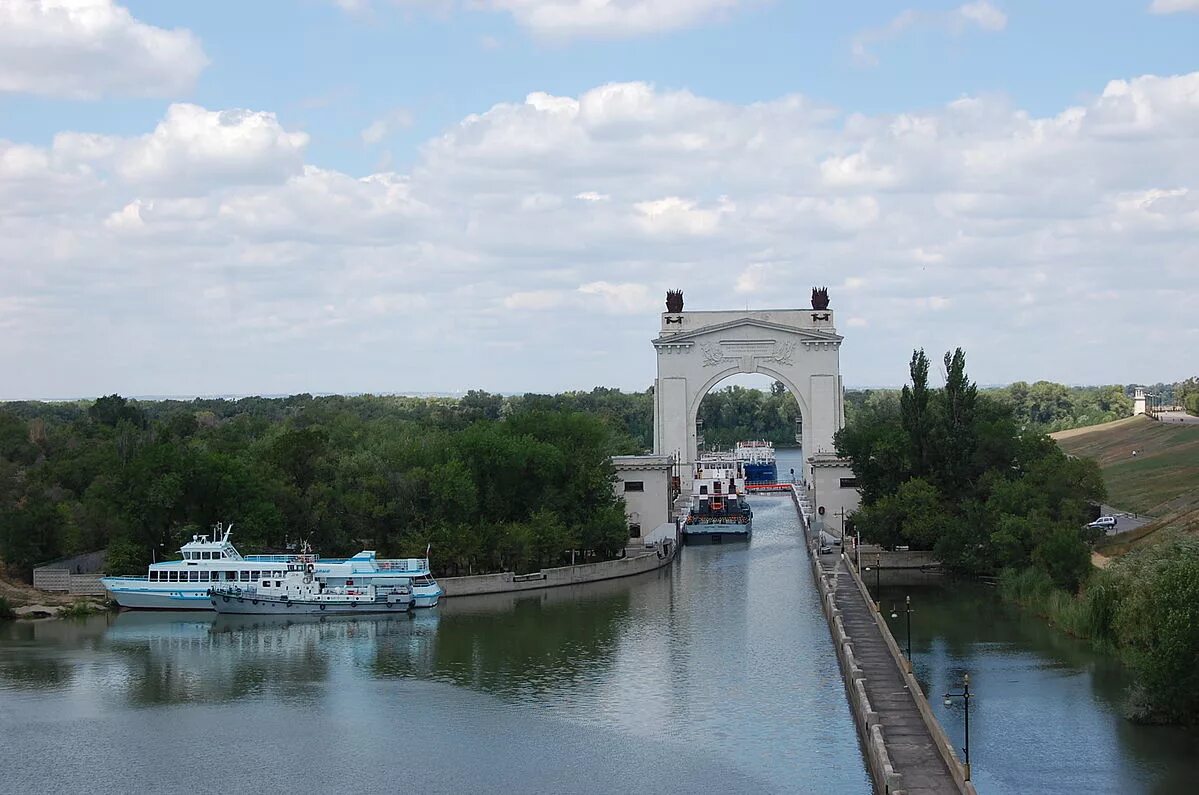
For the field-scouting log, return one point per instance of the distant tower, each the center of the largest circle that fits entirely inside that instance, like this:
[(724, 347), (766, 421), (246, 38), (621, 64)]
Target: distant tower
[(1138, 401)]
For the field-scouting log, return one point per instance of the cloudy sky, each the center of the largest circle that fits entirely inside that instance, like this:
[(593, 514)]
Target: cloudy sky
[(434, 195)]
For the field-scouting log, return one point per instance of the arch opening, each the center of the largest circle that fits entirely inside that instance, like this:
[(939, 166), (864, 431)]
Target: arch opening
[(747, 407)]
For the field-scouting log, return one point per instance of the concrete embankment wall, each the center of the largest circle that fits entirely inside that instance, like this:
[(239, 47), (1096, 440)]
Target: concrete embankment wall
[(66, 581), (944, 745), (508, 582), (886, 779)]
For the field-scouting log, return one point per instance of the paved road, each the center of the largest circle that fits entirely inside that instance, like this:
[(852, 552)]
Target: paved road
[(1126, 520), (1177, 417)]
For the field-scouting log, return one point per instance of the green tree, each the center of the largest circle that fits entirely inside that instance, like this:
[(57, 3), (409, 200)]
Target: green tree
[(1063, 556), (914, 407)]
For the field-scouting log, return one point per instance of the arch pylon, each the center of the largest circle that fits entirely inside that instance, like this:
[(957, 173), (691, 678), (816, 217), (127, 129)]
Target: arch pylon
[(696, 350)]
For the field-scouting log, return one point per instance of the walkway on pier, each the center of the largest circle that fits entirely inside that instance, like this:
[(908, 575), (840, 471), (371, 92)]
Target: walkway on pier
[(909, 741)]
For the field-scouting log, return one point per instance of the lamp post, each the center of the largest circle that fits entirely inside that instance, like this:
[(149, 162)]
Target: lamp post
[(908, 610), (878, 583), (965, 696), (878, 565)]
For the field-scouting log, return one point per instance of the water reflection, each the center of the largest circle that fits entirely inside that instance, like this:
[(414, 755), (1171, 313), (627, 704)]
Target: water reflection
[(1046, 716), (718, 674)]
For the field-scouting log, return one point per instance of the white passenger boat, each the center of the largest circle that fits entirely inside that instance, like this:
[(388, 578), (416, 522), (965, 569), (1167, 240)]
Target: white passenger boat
[(299, 593), (213, 561)]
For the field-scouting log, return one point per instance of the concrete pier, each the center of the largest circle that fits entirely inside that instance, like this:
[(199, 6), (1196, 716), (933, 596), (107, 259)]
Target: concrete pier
[(906, 749)]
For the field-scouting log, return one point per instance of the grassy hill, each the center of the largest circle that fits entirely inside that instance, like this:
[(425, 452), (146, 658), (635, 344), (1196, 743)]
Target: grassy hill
[(1161, 480)]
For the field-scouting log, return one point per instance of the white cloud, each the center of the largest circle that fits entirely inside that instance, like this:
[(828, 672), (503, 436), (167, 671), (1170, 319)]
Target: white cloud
[(623, 299), (570, 18), (1173, 6), (193, 146), (979, 14), (565, 19), (600, 296), (379, 129), (676, 216), (90, 48), (567, 217), (982, 14), (537, 300)]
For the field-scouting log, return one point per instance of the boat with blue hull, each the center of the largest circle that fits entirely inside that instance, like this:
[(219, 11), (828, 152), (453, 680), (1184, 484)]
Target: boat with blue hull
[(757, 461), (213, 562), (719, 511)]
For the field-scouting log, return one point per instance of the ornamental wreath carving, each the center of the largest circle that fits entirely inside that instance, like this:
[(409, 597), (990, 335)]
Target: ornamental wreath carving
[(715, 353)]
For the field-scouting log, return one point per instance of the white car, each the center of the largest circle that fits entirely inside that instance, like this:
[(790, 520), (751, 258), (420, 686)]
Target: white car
[(1103, 523)]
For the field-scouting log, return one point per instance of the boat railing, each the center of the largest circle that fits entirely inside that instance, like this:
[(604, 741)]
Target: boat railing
[(280, 558), (400, 564)]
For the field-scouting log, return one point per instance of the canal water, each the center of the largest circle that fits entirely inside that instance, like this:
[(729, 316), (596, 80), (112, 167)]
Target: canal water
[(1047, 709), (717, 675)]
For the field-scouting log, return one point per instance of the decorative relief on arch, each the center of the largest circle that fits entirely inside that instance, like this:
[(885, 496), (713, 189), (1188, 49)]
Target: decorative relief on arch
[(748, 352)]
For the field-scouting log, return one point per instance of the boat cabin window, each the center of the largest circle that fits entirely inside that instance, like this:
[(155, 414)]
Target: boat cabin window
[(716, 487), (703, 489), (173, 576), (203, 576), (244, 575)]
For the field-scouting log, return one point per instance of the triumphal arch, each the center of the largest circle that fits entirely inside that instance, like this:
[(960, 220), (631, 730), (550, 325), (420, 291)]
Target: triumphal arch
[(798, 347)]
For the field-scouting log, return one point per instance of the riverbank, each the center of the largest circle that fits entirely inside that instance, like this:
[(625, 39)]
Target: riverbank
[(28, 603), (1142, 610)]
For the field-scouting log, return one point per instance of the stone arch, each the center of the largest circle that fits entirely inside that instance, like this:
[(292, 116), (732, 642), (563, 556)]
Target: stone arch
[(702, 392), (697, 350)]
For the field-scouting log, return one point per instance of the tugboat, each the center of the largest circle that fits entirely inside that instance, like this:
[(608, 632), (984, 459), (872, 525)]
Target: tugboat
[(757, 459), (298, 592), (719, 511)]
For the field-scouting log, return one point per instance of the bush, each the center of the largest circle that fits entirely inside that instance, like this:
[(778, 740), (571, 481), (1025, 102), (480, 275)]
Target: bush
[(1157, 624), (80, 609), (6, 611), (1064, 557)]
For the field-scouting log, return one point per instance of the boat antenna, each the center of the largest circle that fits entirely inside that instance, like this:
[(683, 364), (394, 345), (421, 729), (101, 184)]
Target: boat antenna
[(228, 530)]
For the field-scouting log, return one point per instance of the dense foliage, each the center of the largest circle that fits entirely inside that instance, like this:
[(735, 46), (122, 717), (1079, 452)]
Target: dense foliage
[(738, 414), (951, 470), (491, 486), (1187, 395)]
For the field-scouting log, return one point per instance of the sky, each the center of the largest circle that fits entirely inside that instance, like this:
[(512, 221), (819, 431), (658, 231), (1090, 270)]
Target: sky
[(437, 195)]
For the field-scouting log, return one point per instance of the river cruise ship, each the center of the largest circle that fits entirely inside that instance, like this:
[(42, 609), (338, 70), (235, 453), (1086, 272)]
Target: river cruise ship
[(758, 461), (212, 561), (719, 511)]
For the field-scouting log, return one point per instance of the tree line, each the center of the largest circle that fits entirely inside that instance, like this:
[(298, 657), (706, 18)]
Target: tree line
[(491, 485)]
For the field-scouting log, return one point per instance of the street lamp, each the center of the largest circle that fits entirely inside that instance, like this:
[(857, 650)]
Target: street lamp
[(965, 696), (878, 566), (908, 610)]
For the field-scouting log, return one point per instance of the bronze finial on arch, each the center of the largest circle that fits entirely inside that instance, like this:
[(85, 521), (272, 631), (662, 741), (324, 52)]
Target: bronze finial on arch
[(820, 298), (674, 301)]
